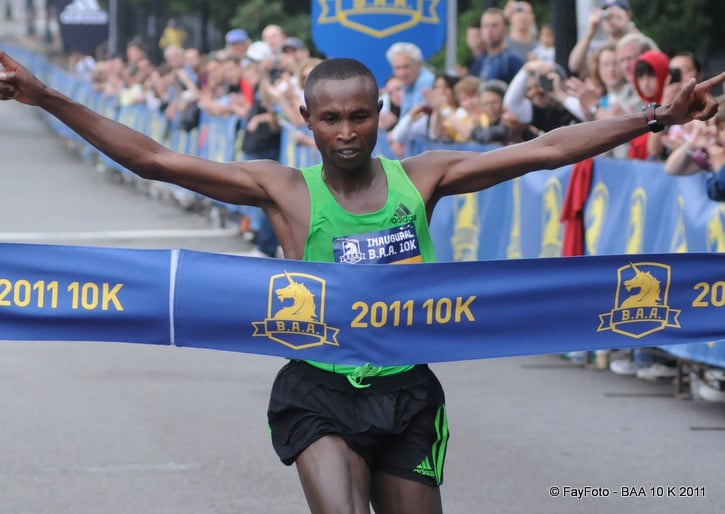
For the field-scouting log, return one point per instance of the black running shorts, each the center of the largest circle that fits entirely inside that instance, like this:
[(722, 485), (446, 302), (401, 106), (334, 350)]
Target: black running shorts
[(398, 424)]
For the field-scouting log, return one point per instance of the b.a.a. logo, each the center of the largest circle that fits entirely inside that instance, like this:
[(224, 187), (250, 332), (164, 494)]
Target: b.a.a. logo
[(595, 216), (296, 312), (378, 18), (640, 302)]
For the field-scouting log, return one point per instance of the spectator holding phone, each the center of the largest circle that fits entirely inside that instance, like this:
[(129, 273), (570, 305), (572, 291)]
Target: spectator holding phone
[(703, 150), (422, 119), (683, 67), (536, 98)]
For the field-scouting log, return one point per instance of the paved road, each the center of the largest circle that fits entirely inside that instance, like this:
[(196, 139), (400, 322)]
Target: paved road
[(111, 428)]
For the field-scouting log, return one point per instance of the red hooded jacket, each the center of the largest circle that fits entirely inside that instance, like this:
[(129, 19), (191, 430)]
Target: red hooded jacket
[(660, 63)]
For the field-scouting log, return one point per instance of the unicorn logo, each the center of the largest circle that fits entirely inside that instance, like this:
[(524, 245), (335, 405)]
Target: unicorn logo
[(635, 231), (292, 318), (513, 249), (640, 306), (715, 231), (303, 301), (465, 227), (596, 214), (679, 238), (647, 286), (551, 224)]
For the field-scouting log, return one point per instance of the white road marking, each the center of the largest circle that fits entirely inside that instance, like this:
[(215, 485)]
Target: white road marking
[(28, 237), (126, 468)]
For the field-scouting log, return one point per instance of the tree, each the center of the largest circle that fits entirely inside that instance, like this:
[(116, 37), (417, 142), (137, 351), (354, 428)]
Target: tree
[(676, 26)]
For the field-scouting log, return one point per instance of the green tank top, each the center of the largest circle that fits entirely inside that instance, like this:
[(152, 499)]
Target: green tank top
[(396, 234)]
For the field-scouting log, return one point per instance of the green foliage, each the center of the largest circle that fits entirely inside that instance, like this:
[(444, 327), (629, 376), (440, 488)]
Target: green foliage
[(675, 26), (463, 54), (254, 15)]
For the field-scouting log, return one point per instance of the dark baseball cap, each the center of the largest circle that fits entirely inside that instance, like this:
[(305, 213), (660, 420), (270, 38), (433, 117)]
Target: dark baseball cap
[(622, 4), (294, 43), (236, 36)]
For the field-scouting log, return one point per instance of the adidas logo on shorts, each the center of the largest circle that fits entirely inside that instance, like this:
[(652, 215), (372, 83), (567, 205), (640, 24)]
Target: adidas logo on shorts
[(424, 468)]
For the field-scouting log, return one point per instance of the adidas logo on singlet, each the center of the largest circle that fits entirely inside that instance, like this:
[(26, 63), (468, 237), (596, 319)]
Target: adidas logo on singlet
[(424, 468), (403, 215)]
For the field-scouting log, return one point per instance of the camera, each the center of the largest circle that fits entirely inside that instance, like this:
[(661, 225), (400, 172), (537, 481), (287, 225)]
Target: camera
[(546, 83), (275, 74), (604, 15), (675, 75)]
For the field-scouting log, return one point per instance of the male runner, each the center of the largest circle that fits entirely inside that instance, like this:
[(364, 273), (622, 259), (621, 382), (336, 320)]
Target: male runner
[(358, 435)]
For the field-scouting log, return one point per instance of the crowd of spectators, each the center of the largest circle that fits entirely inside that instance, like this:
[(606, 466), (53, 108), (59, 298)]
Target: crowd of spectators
[(511, 90)]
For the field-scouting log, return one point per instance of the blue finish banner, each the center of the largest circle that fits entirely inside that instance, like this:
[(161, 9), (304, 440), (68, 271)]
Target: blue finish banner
[(69, 293), (365, 29), (352, 314)]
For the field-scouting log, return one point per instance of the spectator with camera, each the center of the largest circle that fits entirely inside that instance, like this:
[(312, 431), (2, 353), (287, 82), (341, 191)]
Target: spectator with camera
[(536, 98), (683, 67), (614, 17), (423, 120)]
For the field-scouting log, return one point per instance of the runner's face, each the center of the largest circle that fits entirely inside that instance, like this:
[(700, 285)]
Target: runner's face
[(343, 116)]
